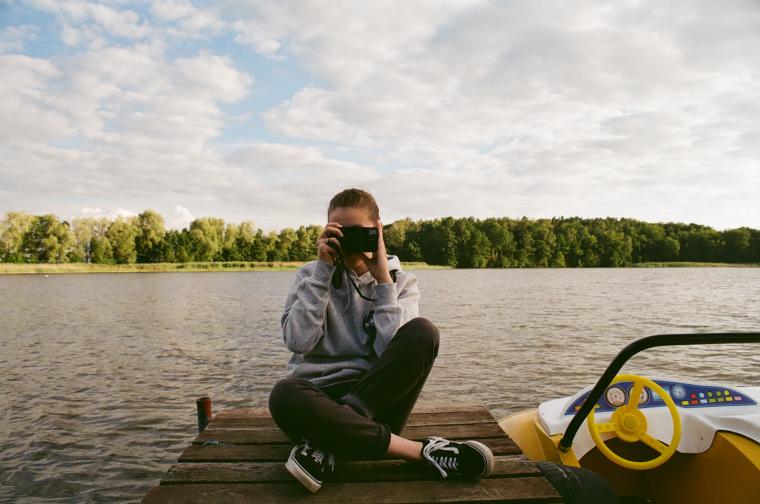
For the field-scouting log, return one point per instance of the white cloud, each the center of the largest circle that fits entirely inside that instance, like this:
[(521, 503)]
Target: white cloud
[(634, 104), (12, 38), (640, 109), (112, 214), (180, 217), (187, 19), (124, 23)]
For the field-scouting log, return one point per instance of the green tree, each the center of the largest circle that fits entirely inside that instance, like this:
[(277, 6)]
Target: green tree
[(285, 240), (84, 231), (12, 230), (47, 240), (524, 246), (230, 251), (208, 236), (438, 244), (737, 245), (304, 247), (150, 235), (501, 240), (544, 243), (121, 236)]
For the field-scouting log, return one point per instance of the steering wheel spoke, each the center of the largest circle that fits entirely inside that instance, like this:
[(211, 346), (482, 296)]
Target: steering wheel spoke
[(608, 427), (653, 443), (635, 395)]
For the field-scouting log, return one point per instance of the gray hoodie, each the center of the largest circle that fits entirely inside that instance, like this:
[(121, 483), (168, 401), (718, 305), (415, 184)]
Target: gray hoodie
[(334, 334)]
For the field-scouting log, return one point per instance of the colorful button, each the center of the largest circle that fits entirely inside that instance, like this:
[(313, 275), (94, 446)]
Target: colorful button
[(729, 399), (694, 402), (737, 398), (720, 399), (693, 395), (709, 394), (719, 393), (726, 392), (684, 403), (711, 400), (703, 401), (701, 394)]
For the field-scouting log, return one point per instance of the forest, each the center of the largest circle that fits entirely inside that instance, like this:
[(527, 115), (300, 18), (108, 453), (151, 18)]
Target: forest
[(457, 242)]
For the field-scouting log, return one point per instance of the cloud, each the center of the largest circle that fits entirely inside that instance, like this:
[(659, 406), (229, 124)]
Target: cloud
[(12, 38), (186, 19), (180, 217), (440, 108), (112, 214), (124, 23), (630, 100)]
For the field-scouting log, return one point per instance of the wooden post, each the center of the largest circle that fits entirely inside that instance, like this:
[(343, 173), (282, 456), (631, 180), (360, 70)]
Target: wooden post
[(204, 412)]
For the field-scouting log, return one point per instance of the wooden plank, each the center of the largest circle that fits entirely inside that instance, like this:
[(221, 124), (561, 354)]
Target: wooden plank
[(420, 407), (508, 466), (416, 432), (535, 489), (274, 452), (427, 418)]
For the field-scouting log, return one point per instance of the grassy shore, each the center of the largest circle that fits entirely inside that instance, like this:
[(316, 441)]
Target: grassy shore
[(677, 264), (37, 269)]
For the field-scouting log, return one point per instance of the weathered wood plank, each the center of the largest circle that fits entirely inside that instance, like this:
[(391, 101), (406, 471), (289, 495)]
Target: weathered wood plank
[(428, 418), (508, 466), (275, 452), (417, 432), (396, 492), (420, 407)]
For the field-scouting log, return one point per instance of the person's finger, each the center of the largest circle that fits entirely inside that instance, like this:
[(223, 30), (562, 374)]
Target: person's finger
[(380, 240), (335, 244), (332, 231), (370, 263)]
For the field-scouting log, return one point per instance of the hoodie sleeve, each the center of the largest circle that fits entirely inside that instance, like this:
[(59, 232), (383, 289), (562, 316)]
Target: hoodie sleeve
[(305, 308), (397, 303)]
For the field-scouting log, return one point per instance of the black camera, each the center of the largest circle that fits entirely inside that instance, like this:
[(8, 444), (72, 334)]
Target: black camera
[(358, 239)]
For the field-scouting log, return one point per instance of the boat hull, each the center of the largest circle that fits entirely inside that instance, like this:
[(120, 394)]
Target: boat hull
[(729, 471)]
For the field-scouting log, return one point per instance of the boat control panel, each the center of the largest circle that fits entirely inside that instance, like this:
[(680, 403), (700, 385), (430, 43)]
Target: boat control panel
[(685, 395)]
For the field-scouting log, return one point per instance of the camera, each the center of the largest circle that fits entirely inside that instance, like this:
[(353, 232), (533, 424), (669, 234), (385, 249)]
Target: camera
[(358, 239)]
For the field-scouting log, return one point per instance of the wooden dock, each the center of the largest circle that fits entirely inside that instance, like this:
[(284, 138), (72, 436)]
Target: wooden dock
[(240, 457)]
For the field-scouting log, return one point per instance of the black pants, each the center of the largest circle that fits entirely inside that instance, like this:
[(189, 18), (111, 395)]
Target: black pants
[(355, 418)]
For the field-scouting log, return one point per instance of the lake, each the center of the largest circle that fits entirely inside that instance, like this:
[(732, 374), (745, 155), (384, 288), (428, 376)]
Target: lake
[(100, 372)]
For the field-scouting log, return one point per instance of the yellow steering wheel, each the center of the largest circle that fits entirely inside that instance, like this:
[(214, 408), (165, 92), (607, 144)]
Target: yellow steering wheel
[(629, 424)]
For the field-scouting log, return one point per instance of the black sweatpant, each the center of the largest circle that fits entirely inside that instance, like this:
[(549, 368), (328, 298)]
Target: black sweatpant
[(354, 419)]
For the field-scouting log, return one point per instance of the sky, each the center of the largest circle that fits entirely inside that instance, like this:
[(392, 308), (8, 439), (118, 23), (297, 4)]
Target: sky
[(263, 110)]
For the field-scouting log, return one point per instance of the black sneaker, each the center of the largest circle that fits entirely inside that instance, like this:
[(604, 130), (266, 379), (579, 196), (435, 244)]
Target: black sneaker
[(466, 460), (310, 465)]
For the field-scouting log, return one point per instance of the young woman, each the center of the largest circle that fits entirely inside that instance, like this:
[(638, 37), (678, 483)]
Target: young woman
[(361, 355)]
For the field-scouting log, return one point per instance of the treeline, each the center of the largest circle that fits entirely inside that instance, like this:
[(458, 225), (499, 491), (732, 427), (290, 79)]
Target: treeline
[(461, 242)]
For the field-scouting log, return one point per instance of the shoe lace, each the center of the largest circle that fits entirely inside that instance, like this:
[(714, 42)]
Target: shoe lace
[(441, 461), (317, 454)]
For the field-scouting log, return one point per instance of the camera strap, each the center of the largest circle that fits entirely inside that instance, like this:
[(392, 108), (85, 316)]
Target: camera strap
[(337, 278)]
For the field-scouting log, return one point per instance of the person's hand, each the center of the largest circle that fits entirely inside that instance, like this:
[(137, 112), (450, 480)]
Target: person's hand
[(378, 265), (328, 244)]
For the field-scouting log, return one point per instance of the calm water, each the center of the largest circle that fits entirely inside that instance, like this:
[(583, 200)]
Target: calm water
[(100, 372)]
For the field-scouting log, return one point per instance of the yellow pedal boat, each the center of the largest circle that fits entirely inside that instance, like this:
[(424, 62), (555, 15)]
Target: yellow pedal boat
[(682, 441)]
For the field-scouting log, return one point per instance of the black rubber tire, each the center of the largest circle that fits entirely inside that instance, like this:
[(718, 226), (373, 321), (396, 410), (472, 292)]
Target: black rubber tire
[(577, 485)]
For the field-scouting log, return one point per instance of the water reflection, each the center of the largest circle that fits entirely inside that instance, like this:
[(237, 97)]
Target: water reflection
[(100, 372)]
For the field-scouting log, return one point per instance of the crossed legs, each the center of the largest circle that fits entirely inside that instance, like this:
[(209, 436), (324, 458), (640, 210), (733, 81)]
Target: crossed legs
[(362, 418)]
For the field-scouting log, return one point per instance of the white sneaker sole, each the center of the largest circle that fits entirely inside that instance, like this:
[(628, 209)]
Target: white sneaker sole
[(301, 474), (487, 454)]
